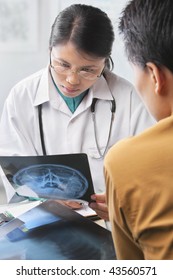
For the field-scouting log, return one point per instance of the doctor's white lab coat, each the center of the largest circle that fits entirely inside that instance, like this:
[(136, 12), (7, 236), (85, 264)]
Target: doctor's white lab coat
[(63, 131)]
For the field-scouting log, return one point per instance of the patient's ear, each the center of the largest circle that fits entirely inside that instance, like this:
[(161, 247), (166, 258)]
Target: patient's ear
[(157, 77)]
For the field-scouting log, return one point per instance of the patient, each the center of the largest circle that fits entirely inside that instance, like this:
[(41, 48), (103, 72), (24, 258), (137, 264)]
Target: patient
[(139, 170)]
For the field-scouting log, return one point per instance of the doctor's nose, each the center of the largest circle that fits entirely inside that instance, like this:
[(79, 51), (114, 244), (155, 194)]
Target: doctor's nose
[(73, 78)]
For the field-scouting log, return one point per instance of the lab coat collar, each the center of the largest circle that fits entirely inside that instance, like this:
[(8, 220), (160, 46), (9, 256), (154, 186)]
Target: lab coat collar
[(99, 90), (42, 95)]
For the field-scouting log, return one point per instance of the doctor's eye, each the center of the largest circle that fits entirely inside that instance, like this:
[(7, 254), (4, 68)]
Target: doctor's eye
[(88, 70), (63, 65)]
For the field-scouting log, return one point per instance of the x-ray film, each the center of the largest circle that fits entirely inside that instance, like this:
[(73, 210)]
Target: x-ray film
[(65, 177), (52, 231)]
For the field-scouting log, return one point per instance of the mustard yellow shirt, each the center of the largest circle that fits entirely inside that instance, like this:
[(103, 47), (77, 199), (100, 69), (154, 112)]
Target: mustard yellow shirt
[(139, 179)]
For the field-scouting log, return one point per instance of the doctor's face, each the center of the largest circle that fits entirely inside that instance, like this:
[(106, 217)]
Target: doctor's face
[(74, 71)]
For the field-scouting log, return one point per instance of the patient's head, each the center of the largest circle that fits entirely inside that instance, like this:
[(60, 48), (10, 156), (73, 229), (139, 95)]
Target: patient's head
[(147, 29)]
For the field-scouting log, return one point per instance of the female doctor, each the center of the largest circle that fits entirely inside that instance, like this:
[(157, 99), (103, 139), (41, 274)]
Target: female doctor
[(76, 104)]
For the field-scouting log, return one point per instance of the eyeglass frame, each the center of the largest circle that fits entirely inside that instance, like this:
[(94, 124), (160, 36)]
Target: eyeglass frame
[(78, 71)]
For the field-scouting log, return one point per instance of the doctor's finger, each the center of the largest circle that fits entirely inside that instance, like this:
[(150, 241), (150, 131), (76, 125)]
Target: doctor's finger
[(103, 215), (101, 197), (101, 210)]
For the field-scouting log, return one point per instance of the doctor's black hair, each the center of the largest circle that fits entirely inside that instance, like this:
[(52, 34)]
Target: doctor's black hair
[(147, 29), (88, 28)]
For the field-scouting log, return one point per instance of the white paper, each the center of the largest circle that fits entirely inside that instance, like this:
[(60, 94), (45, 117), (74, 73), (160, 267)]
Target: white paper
[(6, 189)]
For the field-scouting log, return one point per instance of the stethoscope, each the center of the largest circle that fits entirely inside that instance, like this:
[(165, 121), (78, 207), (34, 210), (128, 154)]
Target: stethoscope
[(93, 107), (113, 109)]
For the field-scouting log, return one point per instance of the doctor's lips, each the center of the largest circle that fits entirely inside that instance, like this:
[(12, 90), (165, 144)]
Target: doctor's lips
[(70, 90)]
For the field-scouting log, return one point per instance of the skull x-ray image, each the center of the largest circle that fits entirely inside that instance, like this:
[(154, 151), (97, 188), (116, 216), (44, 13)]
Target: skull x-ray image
[(53, 181), (64, 177)]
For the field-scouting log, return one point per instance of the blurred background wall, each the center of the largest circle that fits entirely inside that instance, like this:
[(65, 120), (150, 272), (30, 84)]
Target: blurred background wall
[(24, 36)]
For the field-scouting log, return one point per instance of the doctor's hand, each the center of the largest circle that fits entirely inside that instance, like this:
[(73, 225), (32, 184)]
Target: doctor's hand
[(99, 205)]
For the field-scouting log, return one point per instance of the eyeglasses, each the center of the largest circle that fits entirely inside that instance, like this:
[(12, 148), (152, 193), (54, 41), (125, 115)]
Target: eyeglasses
[(65, 69)]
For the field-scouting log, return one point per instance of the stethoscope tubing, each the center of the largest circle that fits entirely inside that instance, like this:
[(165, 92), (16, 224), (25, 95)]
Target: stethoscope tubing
[(113, 109), (40, 119)]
